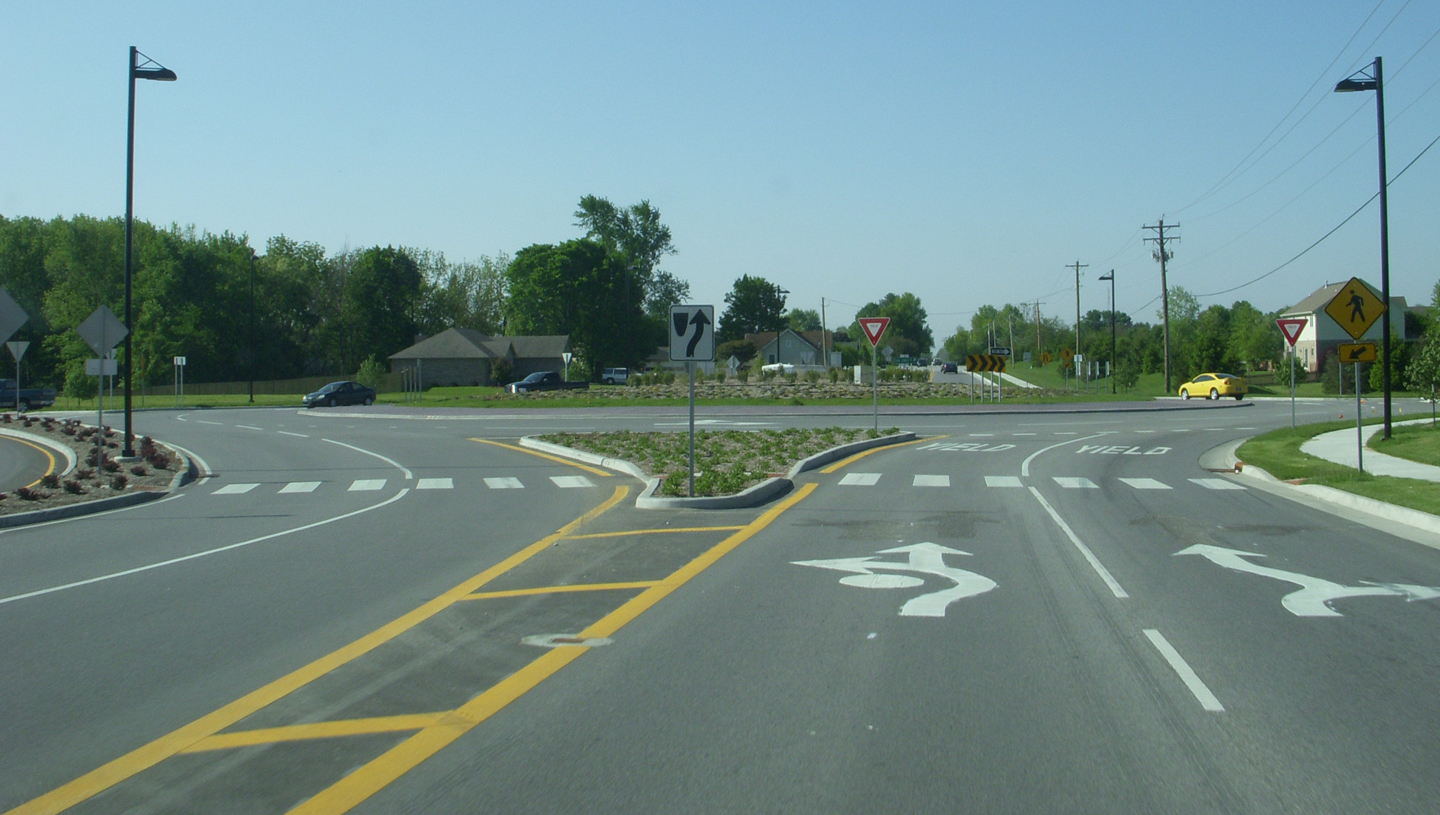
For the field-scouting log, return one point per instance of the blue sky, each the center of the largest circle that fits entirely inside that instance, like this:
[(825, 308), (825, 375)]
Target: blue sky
[(962, 151)]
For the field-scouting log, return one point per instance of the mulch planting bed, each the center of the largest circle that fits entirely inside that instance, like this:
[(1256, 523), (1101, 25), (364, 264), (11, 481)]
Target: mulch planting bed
[(155, 470)]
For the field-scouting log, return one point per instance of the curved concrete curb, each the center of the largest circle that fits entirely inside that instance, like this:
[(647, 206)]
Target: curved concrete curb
[(71, 460), (184, 475), (765, 491)]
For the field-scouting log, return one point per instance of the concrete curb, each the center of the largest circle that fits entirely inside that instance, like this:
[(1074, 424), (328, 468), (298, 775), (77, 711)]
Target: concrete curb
[(184, 475), (765, 491), (71, 460)]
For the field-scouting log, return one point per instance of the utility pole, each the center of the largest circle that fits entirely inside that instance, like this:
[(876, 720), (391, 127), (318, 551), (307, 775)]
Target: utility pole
[(1077, 266), (1038, 350), (1162, 255), (823, 352)]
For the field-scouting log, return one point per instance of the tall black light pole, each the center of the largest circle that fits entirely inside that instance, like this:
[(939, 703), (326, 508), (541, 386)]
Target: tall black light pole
[(1111, 277), (251, 366), (1374, 81), (149, 69)]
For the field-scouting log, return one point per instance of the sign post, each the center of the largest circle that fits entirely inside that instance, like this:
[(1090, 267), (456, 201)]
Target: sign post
[(874, 328), (565, 356), (179, 382), (1355, 308), (17, 350), (692, 342), (1357, 353), (102, 330), (1291, 328)]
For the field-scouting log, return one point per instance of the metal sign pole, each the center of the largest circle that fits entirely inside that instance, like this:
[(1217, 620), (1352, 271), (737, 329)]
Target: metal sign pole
[(1359, 423), (691, 366), (1292, 386), (100, 410), (875, 379)]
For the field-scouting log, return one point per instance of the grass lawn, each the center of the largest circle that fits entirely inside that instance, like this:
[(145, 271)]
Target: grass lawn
[(1278, 453), (1416, 442)]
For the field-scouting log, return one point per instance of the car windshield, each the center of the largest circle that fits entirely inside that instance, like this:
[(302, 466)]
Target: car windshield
[(535, 377), (333, 386)]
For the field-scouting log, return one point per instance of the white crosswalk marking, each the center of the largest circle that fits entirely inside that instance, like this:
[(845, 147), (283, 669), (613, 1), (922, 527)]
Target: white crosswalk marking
[(859, 479), (504, 484), (235, 489), (435, 484), (367, 485), (300, 486), (571, 481), (1070, 483), (931, 481), (1145, 484), (1002, 481), (1216, 484)]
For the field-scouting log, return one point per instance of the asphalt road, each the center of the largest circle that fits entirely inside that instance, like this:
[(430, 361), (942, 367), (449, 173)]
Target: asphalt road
[(1022, 612), (22, 463)]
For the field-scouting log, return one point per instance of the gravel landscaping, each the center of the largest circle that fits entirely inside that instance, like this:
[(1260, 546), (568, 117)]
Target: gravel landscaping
[(156, 468), (726, 461)]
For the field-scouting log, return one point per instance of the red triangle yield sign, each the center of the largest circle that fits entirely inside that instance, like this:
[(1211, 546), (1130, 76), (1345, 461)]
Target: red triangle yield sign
[(874, 327), (1291, 328)]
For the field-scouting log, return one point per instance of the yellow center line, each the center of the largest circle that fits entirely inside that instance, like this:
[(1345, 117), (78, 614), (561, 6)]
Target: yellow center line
[(142, 758), (863, 453), (370, 778), (654, 532), (587, 468), (317, 730), (489, 595)]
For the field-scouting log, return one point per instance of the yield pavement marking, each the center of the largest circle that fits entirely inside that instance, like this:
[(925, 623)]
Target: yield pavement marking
[(1315, 594), (931, 481), (235, 489), (570, 482), (435, 484), (367, 485), (1072, 483), (1216, 484), (1003, 481), (1145, 483), (504, 484), (859, 479), (300, 486), (1187, 674)]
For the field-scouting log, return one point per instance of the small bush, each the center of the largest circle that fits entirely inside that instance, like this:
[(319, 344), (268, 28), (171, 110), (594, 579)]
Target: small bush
[(84, 473), (68, 430), (160, 461), (139, 469), (720, 377), (50, 480), (73, 487), (111, 465), (119, 482), (27, 494)]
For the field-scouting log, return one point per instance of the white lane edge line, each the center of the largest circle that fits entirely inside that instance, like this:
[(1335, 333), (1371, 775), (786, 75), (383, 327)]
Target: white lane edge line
[(288, 433), (249, 427), (391, 461), (193, 556), (1079, 544), (200, 463), (1025, 465), (1187, 675), (171, 496)]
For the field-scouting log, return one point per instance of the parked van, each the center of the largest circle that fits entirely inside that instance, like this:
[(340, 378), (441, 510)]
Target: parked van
[(614, 376)]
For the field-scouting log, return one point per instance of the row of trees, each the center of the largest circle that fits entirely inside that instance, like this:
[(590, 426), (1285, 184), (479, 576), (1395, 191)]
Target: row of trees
[(314, 313)]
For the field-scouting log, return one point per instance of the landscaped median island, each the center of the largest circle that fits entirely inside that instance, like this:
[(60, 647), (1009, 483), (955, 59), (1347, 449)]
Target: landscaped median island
[(726, 461), (1278, 453), (77, 479)]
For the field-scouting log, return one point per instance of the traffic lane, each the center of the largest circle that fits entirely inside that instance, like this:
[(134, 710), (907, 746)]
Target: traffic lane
[(1317, 698), (766, 684), (93, 673), (22, 463)]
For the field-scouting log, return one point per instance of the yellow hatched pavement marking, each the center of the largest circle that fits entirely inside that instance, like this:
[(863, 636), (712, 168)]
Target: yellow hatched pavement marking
[(316, 730), (863, 453), (587, 468), (143, 758), (489, 595), (369, 779)]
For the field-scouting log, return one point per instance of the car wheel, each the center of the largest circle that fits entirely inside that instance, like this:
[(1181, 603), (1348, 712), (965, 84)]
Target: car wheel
[(1239, 396), (1214, 394), (23, 406), (330, 402), (369, 400), (1184, 394)]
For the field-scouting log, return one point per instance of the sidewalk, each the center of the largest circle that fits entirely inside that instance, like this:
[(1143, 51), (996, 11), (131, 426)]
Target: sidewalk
[(1339, 446)]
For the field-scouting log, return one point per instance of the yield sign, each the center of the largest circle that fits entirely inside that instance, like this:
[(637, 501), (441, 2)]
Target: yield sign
[(1291, 328), (874, 327)]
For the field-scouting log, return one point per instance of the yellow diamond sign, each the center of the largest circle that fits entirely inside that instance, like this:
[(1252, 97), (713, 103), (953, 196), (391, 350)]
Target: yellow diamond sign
[(1355, 307)]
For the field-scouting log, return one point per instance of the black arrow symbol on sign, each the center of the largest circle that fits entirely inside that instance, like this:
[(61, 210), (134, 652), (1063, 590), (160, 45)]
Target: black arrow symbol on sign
[(699, 321), (1355, 353)]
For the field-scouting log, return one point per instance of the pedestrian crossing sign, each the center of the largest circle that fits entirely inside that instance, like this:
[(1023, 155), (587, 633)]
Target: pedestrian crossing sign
[(1355, 308)]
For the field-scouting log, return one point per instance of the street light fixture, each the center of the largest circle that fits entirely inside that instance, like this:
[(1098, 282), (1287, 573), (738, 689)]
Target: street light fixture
[(1374, 81), (1110, 276), (149, 69)]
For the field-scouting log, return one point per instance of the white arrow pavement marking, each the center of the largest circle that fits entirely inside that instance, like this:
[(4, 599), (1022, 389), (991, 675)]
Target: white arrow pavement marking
[(925, 558), (1315, 593)]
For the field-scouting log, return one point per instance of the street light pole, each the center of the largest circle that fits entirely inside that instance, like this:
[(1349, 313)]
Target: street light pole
[(1375, 81), (1111, 277), (149, 69), (251, 342)]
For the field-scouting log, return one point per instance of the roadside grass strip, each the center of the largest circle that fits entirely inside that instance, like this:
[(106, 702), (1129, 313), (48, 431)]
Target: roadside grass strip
[(599, 609)]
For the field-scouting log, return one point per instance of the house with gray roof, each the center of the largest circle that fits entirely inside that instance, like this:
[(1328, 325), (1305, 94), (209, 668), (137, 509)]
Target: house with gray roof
[(462, 356)]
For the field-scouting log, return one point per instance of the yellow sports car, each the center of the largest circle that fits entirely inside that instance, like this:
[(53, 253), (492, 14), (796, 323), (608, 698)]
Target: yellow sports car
[(1214, 386)]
